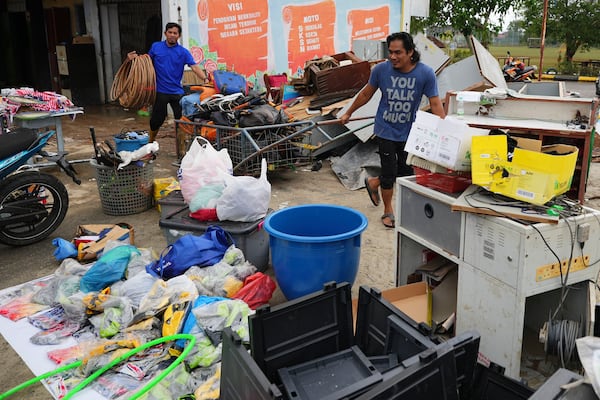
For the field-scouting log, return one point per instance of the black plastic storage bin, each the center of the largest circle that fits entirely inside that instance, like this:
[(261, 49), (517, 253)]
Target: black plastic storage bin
[(490, 383), (298, 331), (320, 325), (372, 324), (172, 204), (250, 237), (332, 377), (301, 330), (240, 375), (466, 350), (383, 363), (404, 340), (430, 375)]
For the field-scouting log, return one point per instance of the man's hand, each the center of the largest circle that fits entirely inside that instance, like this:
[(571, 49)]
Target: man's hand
[(132, 54), (344, 118)]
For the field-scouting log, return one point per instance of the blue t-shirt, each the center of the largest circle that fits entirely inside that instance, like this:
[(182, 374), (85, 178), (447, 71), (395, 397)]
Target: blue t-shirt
[(169, 63), (401, 95)]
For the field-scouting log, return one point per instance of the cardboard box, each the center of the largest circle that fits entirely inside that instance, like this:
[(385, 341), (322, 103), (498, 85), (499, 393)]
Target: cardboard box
[(91, 250), (535, 174), (446, 142), (413, 300)]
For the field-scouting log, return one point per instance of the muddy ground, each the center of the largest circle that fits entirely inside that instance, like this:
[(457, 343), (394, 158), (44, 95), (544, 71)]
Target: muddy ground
[(289, 187)]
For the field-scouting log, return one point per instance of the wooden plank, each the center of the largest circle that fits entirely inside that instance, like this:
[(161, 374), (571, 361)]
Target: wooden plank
[(471, 200)]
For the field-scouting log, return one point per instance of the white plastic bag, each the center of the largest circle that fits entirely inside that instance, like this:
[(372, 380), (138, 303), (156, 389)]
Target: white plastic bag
[(202, 165), (245, 198)]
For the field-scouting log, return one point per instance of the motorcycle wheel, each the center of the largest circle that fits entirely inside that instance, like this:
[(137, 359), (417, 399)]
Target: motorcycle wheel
[(32, 206)]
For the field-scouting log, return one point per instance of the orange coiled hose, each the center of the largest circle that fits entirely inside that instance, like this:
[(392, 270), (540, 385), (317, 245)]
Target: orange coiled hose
[(135, 83)]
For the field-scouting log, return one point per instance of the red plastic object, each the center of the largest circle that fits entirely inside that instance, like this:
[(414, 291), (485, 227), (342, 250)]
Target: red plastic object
[(205, 214), (257, 290), (447, 183)]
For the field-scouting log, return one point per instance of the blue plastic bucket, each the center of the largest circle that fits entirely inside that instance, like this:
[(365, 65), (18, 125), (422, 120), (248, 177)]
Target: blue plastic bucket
[(314, 244), (130, 143)]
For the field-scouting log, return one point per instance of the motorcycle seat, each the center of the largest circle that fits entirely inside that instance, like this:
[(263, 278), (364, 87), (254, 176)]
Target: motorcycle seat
[(15, 141)]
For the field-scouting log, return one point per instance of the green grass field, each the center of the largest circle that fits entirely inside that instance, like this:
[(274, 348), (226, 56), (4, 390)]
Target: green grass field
[(551, 55)]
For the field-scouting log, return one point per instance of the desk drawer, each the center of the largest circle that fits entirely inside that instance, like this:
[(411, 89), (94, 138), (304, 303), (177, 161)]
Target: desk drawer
[(429, 218)]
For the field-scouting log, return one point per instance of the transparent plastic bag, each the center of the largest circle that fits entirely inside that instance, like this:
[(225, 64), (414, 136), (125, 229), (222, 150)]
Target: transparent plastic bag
[(202, 165)]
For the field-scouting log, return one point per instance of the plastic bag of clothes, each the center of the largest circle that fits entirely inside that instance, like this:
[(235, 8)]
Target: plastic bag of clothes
[(189, 250), (202, 165), (109, 268), (245, 198)]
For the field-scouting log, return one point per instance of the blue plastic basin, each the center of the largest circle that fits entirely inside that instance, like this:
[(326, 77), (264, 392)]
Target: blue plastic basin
[(314, 244), (130, 144)]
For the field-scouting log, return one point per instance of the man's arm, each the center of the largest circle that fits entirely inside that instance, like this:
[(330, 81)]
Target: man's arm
[(199, 72), (436, 106), (363, 98)]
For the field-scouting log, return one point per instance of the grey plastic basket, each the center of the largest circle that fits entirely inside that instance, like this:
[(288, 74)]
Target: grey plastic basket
[(125, 191)]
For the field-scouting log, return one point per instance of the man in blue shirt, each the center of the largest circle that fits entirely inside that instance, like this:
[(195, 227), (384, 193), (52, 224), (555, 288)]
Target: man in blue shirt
[(169, 59), (402, 80)]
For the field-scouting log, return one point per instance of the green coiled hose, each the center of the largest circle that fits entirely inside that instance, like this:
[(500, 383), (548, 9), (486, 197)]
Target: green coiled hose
[(95, 375)]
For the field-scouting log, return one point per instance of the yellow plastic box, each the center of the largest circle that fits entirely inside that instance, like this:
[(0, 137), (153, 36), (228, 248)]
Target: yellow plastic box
[(535, 175)]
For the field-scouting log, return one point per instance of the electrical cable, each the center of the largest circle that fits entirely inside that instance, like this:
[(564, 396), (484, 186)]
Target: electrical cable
[(135, 83), (561, 338), (152, 383), (562, 214)]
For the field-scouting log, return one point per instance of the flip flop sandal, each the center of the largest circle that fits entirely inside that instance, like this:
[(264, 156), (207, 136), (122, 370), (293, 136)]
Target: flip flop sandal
[(391, 217), (373, 196)]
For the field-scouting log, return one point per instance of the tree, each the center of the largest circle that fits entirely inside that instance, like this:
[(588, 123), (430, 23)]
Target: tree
[(572, 22), (469, 17)]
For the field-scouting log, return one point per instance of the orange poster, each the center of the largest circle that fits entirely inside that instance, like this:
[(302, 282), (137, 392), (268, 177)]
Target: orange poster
[(310, 31), (369, 24), (237, 32)]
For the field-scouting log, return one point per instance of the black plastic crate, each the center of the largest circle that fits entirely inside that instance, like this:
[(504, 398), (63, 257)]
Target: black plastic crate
[(404, 340), (240, 376), (333, 377), (490, 383), (466, 350), (372, 323), (430, 375), (320, 325), (384, 363), (302, 330)]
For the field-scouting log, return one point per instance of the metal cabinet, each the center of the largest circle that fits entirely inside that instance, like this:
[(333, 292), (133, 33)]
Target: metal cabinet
[(424, 222), (504, 266)]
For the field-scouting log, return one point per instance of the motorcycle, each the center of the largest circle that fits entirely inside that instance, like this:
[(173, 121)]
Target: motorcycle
[(515, 70), (32, 203)]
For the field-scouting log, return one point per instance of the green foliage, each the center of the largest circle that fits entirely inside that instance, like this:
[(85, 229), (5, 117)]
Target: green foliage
[(567, 67), (460, 54), (469, 17), (572, 22)]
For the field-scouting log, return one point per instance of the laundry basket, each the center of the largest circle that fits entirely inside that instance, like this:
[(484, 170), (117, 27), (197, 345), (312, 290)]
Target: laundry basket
[(125, 191)]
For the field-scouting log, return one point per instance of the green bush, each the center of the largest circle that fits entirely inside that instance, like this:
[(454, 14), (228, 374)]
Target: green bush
[(460, 54)]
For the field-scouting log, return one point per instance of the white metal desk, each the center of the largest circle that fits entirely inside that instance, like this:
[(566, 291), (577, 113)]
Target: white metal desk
[(503, 265)]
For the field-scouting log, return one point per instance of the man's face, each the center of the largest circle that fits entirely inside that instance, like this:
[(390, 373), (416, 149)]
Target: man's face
[(398, 56), (172, 35)]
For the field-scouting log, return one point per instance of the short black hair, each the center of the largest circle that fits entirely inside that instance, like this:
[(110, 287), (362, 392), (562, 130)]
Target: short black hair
[(173, 25), (407, 41)]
